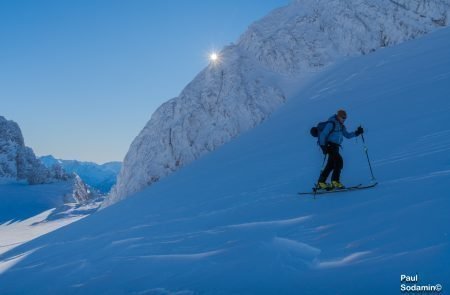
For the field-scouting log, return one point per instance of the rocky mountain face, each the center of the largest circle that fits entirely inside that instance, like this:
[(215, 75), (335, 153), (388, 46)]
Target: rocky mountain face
[(18, 162), (247, 84), (81, 192)]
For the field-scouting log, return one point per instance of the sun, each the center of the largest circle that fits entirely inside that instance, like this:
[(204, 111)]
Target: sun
[(214, 57)]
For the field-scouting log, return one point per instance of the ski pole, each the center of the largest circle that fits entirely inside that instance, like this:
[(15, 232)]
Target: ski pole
[(321, 170), (367, 155), (323, 163)]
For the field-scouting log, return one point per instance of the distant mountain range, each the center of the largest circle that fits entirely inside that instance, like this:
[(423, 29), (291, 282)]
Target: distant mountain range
[(101, 177), (19, 163)]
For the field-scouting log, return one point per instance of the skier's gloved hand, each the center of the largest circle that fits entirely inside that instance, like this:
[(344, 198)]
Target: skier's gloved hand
[(324, 149), (359, 131)]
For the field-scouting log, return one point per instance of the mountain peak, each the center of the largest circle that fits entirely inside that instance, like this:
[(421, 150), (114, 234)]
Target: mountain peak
[(10, 131), (17, 161)]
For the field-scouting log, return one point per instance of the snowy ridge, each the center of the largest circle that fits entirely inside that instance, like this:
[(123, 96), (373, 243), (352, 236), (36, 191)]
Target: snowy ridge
[(310, 34), (18, 162), (237, 94)]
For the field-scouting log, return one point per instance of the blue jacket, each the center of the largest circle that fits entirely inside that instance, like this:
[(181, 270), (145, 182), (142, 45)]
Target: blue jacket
[(336, 135)]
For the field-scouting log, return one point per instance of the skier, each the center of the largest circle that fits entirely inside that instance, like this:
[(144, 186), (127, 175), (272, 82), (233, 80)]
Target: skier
[(330, 139)]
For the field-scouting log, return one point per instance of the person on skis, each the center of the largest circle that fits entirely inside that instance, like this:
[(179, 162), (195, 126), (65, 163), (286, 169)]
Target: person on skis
[(330, 140)]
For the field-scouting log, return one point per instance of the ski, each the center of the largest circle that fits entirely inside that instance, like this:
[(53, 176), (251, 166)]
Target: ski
[(347, 189)]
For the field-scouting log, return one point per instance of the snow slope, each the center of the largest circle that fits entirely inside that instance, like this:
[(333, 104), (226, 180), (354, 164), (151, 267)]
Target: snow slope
[(252, 79), (101, 177), (232, 223), (29, 211)]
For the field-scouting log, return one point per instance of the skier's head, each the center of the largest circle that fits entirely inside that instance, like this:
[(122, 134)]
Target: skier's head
[(341, 115)]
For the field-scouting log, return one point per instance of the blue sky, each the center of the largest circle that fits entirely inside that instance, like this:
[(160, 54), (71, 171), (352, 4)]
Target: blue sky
[(82, 78)]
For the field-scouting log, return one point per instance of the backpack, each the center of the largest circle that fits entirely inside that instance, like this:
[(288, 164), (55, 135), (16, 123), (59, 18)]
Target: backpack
[(315, 131)]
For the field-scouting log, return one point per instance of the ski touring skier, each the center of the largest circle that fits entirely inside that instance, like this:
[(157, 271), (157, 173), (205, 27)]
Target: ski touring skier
[(330, 139)]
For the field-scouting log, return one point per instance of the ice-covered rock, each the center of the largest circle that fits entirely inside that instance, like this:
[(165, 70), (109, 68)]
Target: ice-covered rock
[(18, 162), (81, 193)]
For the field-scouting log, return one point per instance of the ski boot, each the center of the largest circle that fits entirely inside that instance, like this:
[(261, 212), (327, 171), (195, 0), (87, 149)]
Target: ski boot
[(323, 186), (337, 185)]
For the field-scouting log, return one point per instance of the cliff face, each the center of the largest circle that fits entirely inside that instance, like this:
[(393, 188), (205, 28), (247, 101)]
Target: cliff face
[(18, 162), (244, 88), (310, 34)]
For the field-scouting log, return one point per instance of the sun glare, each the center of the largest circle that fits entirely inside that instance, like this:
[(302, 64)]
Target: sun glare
[(214, 57)]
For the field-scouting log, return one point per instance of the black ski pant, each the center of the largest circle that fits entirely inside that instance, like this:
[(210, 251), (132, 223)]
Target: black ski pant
[(335, 163)]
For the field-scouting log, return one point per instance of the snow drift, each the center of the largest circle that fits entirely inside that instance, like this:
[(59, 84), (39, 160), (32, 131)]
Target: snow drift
[(29, 211)]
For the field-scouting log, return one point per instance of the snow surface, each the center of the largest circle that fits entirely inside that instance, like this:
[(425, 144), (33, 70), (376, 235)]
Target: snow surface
[(232, 223), (27, 212), (254, 77)]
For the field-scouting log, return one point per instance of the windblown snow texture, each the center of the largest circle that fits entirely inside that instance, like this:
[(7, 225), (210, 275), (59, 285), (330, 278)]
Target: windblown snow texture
[(232, 222), (240, 92), (29, 211)]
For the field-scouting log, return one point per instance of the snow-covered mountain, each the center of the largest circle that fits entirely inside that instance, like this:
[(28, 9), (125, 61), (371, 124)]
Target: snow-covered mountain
[(101, 177), (18, 162), (271, 61), (52, 192), (232, 222)]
